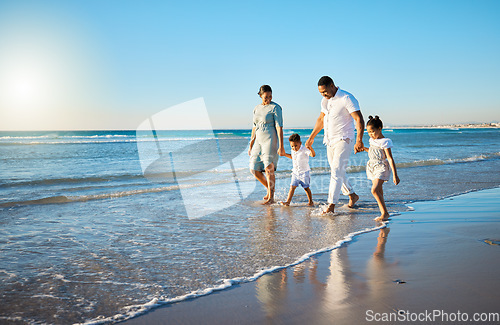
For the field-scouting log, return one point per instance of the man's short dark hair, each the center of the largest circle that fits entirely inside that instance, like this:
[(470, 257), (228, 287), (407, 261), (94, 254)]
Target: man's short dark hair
[(325, 81), (264, 89), (294, 138)]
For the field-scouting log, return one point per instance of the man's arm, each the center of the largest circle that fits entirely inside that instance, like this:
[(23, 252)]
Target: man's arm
[(317, 128), (360, 127)]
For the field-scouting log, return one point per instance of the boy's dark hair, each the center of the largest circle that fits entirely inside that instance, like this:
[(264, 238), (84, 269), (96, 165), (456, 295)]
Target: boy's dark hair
[(325, 81), (294, 138), (376, 122), (264, 89)]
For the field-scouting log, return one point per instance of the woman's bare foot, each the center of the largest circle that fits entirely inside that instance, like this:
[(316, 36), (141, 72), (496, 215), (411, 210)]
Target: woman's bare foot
[(383, 217), (265, 198), (353, 198), (330, 208), (268, 201), (284, 203), (311, 203)]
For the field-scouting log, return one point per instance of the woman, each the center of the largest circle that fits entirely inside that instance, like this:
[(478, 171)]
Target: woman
[(266, 144)]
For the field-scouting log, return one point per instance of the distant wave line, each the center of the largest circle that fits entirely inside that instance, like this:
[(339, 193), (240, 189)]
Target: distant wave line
[(165, 177), (108, 140)]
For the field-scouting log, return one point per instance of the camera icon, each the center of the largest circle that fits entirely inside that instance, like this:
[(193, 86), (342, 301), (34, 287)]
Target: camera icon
[(178, 147)]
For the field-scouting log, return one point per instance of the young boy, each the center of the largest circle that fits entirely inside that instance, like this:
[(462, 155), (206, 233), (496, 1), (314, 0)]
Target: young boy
[(300, 172)]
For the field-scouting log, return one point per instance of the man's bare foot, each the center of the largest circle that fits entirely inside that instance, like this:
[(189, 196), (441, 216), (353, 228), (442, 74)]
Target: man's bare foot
[(284, 203), (330, 208), (310, 204), (383, 217), (353, 198)]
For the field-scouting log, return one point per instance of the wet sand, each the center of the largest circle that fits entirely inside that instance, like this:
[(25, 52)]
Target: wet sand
[(438, 263)]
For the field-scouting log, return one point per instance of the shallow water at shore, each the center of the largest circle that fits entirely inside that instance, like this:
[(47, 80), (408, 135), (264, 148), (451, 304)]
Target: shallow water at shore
[(85, 234)]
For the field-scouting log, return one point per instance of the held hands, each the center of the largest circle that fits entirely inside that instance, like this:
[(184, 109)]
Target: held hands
[(359, 147), (281, 151), (309, 143)]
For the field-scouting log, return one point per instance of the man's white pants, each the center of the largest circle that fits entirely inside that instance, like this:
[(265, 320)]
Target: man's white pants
[(338, 157)]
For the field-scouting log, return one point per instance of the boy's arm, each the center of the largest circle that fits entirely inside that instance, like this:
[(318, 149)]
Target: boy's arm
[(312, 153), (288, 155), (395, 177)]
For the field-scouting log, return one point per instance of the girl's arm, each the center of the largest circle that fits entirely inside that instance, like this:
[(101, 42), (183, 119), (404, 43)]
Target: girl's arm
[(252, 140), (395, 177), (281, 148), (312, 153)]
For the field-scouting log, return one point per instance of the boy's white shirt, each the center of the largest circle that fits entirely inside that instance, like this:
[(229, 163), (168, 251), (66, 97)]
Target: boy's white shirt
[(300, 160)]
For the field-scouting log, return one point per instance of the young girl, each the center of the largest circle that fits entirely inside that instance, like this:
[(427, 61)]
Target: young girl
[(377, 168)]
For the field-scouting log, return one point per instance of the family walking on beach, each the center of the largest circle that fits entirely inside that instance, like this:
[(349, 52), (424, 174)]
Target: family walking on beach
[(340, 115)]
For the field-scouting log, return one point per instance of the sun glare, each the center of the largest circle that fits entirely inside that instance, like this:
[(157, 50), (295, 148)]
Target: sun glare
[(25, 89)]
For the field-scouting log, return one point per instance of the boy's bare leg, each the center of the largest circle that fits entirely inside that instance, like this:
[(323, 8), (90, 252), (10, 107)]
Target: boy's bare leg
[(262, 179), (353, 198), (378, 194), (269, 198), (309, 196), (290, 195)]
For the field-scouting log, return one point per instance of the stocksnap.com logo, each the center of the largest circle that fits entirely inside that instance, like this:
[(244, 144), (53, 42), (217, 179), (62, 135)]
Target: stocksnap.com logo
[(210, 169)]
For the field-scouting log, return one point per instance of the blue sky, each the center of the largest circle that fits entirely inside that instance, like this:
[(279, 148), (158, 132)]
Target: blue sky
[(112, 64)]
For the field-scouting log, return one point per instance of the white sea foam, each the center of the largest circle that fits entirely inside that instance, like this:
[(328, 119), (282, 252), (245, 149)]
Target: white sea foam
[(140, 309)]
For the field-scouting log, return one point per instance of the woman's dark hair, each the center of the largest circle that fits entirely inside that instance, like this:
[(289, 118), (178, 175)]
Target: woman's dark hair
[(264, 89), (294, 138), (376, 122), (325, 81)]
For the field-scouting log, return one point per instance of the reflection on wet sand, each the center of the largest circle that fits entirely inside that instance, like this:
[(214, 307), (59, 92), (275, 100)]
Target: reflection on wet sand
[(376, 273), (334, 288), (272, 294)]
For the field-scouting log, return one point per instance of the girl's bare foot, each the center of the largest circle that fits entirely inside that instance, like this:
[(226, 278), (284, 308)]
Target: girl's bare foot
[(383, 217), (353, 198), (284, 203), (330, 208)]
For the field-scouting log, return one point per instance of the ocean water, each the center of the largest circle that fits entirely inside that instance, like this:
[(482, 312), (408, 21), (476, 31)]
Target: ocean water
[(99, 226)]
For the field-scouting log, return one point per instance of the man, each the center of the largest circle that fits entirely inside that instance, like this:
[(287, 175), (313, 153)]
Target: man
[(338, 110)]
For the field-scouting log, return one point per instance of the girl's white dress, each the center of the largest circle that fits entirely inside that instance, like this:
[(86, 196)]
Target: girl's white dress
[(378, 166)]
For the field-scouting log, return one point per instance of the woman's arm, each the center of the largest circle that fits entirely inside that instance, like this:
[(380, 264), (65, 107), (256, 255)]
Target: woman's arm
[(281, 148), (252, 140), (395, 177)]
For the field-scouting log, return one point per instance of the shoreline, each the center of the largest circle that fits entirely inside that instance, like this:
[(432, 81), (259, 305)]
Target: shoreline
[(358, 276)]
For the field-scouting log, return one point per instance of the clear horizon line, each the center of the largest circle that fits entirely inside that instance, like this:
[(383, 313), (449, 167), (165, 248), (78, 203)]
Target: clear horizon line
[(465, 125)]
